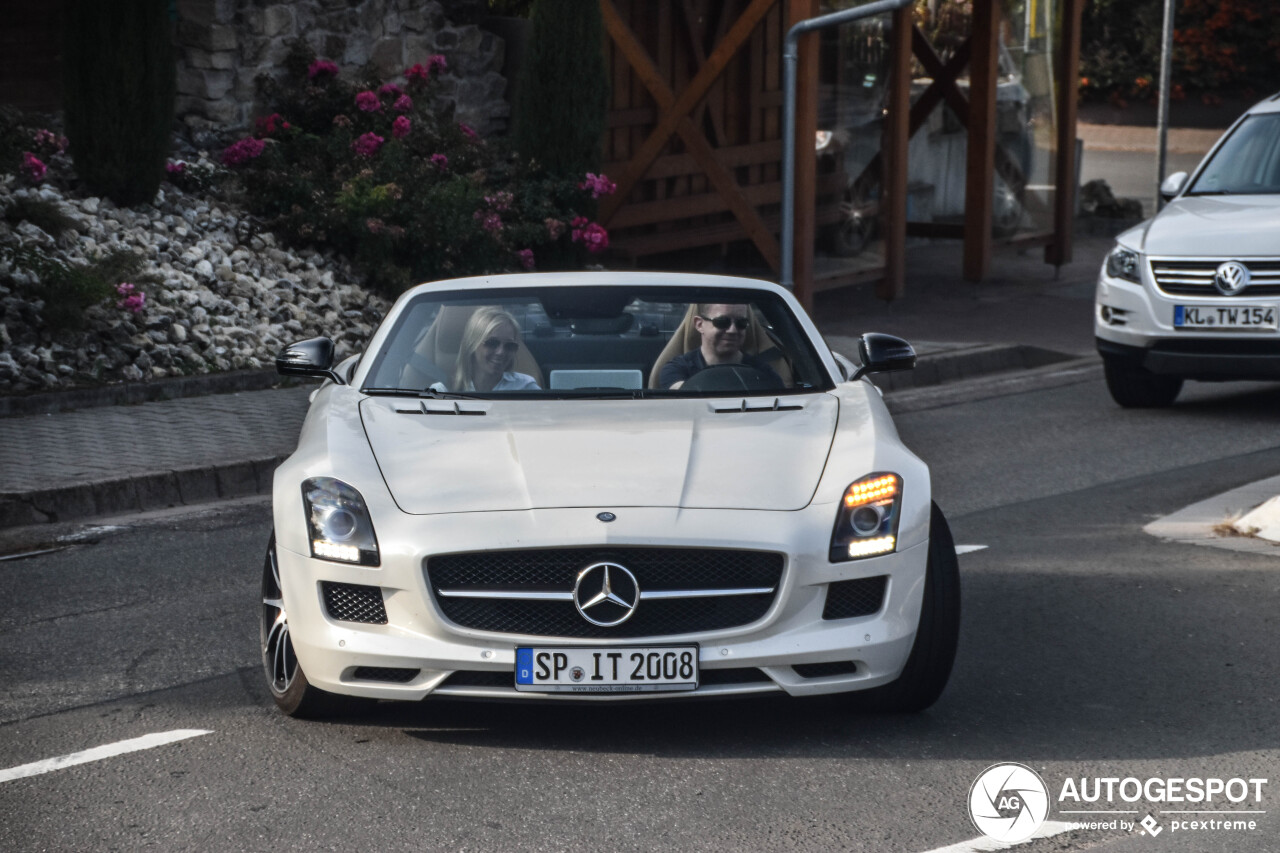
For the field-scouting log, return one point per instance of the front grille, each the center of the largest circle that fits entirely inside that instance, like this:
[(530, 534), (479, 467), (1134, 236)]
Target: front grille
[(385, 673), (351, 602), (1195, 278), (825, 670), (552, 572), (861, 597)]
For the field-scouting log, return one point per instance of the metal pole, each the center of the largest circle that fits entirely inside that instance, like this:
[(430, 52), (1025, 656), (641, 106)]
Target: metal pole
[(1162, 111), (790, 58)]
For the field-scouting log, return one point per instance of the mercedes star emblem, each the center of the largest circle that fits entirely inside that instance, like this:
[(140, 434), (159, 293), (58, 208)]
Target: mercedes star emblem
[(606, 594), (1231, 278), (606, 517)]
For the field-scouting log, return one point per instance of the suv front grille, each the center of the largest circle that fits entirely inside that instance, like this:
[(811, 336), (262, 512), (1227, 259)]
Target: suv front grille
[(683, 590), (1195, 278)]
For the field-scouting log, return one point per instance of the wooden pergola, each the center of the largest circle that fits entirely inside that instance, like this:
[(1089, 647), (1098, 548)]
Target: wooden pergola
[(694, 134)]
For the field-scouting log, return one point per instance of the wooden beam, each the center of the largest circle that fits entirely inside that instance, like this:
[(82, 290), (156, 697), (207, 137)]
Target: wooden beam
[(1064, 195), (806, 200), (893, 146), (980, 167), (678, 109)]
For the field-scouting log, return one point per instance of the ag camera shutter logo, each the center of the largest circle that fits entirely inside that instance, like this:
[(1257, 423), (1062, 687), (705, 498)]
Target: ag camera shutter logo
[(1008, 802)]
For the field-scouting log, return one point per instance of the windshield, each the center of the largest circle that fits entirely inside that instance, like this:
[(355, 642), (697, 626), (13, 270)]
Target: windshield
[(596, 341), (1248, 161)]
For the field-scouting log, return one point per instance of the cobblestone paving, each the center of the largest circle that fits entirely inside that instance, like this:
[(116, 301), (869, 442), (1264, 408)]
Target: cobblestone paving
[(49, 451)]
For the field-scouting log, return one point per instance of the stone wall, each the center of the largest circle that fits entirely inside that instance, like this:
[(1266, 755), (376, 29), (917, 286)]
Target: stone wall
[(225, 44)]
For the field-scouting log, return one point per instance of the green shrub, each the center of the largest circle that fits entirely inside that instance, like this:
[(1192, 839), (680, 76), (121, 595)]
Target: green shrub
[(68, 290), (385, 175), (45, 215), (563, 93), (118, 94)]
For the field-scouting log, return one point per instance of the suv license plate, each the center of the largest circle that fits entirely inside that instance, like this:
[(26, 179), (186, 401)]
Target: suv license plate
[(1226, 317), (620, 669)]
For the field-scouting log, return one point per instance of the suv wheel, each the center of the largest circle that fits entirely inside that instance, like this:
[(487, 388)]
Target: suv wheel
[(1135, 387)]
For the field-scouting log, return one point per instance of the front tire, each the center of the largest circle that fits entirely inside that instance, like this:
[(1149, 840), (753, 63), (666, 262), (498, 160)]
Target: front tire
[(293, 694), (1135, 387), (929, 666)]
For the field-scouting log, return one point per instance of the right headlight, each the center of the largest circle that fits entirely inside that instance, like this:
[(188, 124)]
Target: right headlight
[(338, 523), (867, 522), (1123, 263)]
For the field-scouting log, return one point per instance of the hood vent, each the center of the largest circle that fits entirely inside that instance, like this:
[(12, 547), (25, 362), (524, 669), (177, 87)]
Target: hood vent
[(776, 406), (455, 410)]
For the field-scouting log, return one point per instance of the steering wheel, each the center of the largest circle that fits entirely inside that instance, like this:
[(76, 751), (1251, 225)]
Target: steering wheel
[(731, 377)]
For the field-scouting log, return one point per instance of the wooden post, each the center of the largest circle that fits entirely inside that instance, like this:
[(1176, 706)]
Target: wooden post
[(1064, 195), (806, 160), (981, 166), (893, 146)]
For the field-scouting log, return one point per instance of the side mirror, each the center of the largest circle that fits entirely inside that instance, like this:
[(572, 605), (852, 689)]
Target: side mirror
[(1173, 185), (312, 357), (883, 353)]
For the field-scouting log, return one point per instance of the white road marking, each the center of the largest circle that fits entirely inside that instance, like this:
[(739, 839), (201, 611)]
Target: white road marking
[(981, 845), (98, 753), (969, 549)]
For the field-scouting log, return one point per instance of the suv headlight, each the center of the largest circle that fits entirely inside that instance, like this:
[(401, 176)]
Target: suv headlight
[(1123, 263), (867, 523), (338, 523)]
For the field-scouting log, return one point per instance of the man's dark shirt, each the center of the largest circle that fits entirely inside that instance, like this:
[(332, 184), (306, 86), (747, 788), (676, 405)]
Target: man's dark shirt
[(682, 367)]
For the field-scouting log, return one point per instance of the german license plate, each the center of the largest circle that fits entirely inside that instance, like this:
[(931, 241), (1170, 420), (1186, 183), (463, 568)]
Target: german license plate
[(1250, 317), (622, 669)]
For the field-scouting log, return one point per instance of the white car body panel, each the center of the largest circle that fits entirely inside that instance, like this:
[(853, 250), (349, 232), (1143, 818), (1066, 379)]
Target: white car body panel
[(535, 473)]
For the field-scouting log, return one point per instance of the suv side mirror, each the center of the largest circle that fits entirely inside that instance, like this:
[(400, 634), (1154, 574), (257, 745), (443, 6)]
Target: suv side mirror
[(883, 353), (312, 357), (1173, 185)]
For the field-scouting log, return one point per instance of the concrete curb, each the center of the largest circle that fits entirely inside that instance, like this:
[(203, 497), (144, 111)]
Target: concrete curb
[(144, 392), (139, 492), (1198, 524), (955, 365)]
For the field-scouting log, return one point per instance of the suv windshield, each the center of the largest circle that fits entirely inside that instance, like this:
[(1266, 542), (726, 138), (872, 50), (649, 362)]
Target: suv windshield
[(596, 341), (1248, 161)]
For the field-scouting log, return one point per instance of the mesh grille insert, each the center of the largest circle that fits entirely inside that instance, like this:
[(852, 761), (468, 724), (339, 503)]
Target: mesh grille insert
[(385, 673), (861, 597), (655, 569), (825, 670), (351, 602)]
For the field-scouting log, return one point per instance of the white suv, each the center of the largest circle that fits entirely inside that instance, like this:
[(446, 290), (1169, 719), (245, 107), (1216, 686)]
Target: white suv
[(1192, 293)]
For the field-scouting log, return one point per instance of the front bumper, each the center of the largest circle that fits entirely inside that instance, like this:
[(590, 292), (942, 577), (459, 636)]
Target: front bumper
[(755, 658), (1134, 324)]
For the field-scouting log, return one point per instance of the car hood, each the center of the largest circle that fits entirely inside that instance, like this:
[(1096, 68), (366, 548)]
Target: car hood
[(541, 454), (1213, 226)]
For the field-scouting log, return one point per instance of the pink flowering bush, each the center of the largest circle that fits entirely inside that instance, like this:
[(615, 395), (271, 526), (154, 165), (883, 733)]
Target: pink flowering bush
[(322, 70), (132, 299), (33, 168), (239, 153), (385, 173), (598, 185)]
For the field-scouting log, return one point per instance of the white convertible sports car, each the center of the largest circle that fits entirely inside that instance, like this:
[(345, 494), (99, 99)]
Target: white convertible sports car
[(603, 486)]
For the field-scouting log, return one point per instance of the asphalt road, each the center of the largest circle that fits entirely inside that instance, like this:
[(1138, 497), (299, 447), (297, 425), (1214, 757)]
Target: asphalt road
[(1088, 649)]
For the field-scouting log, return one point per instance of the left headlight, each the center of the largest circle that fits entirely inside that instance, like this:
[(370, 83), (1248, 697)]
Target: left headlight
[(1123, 263), (338, 523), (867, 522)]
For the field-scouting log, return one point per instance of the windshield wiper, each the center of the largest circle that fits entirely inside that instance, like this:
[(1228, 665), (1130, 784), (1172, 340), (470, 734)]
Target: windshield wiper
[(429, 393)]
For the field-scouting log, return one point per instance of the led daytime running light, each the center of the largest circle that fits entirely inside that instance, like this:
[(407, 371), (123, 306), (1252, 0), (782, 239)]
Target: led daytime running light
[(868, 547), (334, 551), (871, 491)]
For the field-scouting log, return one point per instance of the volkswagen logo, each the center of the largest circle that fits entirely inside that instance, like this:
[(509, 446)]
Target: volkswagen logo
[(606, 594), (1231, 278)]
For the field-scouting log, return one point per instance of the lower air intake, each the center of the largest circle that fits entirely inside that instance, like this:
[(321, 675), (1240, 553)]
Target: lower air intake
[(349, 602), (861, 597), (394, 675)]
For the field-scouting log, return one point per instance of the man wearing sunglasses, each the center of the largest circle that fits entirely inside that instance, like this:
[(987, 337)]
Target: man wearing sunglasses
[(723, 329)]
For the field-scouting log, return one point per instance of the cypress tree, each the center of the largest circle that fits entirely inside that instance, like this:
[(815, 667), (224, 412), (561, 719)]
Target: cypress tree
[(563, 90), (118, 95)]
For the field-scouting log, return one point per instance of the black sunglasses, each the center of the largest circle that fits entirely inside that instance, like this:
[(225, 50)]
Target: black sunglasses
[(724, 321), (508, 347)]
